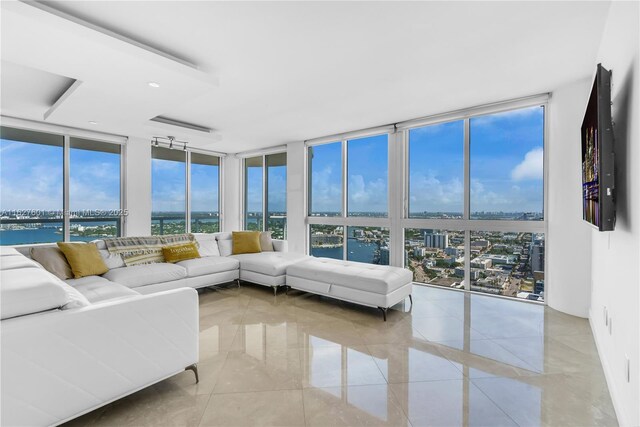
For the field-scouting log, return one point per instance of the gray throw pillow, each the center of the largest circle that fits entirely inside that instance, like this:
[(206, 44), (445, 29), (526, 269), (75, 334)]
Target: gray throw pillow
[(53, 260), (266, 244)]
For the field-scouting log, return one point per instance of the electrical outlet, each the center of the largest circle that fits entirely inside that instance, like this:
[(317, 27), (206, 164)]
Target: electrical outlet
[(627, 367)]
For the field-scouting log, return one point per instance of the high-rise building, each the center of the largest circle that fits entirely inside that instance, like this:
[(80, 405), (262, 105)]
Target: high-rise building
[(384, 255), (436, 240), (536, 253)]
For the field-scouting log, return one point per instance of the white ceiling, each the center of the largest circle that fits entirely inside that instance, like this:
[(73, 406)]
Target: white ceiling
[(270, 73)]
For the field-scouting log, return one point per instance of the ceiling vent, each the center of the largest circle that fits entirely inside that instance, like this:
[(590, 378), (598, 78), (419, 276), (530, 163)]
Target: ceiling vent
[(183, 125)]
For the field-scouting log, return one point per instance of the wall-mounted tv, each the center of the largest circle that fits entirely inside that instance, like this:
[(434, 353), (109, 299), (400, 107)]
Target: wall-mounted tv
[(598, 161)]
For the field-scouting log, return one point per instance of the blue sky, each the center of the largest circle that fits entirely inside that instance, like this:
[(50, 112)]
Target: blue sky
[(506, 167), (276, 193), (506, 173), (31, 178), (168, 186)]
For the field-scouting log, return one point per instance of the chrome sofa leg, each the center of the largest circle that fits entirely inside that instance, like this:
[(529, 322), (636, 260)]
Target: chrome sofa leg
[(275, 290), (194, 368), (238, 282), (384, 313)]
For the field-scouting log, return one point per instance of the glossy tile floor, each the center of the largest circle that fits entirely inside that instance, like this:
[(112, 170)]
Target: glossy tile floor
[(451, 359)]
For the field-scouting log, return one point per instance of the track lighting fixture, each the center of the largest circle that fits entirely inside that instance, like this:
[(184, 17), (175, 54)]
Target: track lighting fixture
[(170, 140)]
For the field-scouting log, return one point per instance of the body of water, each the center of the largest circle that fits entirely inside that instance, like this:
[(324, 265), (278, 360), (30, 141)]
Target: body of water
[(356, 251), (46, 234)]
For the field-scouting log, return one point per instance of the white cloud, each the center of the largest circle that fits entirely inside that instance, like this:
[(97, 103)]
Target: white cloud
[(531, 166), (326, 191), (367, 196), (429, 193)]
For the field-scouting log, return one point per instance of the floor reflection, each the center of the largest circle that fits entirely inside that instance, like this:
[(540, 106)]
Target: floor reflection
[(451, 359)]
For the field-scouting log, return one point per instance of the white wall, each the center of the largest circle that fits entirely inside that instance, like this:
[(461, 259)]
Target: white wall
[(616, 255), (232, 193), (138, 187), (569, 238), (296, 169)]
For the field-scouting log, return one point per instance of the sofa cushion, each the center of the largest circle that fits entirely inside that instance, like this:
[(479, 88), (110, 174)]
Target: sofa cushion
[(380, 279), (5, 251), (16, 262), (208, 265), (29, 290), (208, 246), (140, 275), (84, 259), (270, 263), (53, 260), (225, 247), (100, 289), (84, 280)]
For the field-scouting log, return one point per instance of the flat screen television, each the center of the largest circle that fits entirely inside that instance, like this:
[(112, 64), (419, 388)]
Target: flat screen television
[(598, 161)]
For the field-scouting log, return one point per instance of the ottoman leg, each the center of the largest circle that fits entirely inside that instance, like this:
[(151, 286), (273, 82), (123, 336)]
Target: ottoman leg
[(384, 313)]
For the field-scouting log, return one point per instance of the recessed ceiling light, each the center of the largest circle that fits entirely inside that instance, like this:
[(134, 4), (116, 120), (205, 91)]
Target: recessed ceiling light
[(91, 122), (154, 84)]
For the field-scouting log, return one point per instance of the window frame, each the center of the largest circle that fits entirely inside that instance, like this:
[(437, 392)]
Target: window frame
[(187, 194), (398, 179), (344, 219), (265, 188), (66, 165)]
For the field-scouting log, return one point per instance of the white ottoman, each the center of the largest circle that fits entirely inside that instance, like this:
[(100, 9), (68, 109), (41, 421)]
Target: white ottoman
[(372, 285)]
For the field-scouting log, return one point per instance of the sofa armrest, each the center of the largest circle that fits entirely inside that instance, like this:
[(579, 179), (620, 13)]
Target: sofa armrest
[(61, 364), (280, 245)]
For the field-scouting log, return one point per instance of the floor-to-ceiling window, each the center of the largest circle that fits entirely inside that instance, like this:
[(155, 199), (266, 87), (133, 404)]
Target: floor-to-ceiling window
[(265, 194), (205, 185), (94, 189), (37, 169), (471, 186), (168, 191), (348, 199), (475, 202), (172, 193)]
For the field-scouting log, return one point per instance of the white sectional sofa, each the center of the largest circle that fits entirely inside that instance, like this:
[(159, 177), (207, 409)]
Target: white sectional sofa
[(71, 346), (67, 350)]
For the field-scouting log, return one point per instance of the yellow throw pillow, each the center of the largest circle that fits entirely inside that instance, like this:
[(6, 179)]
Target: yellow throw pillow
[(84, 259), (175, 253), (245, 242)]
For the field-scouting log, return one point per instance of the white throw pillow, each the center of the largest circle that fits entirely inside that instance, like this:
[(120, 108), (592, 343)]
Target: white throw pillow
[(208, 248), (226, 247), (111, 260)]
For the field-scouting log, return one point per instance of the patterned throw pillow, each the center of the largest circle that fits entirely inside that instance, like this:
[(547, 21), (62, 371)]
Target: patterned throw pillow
[(145, 250), (175, 253)]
